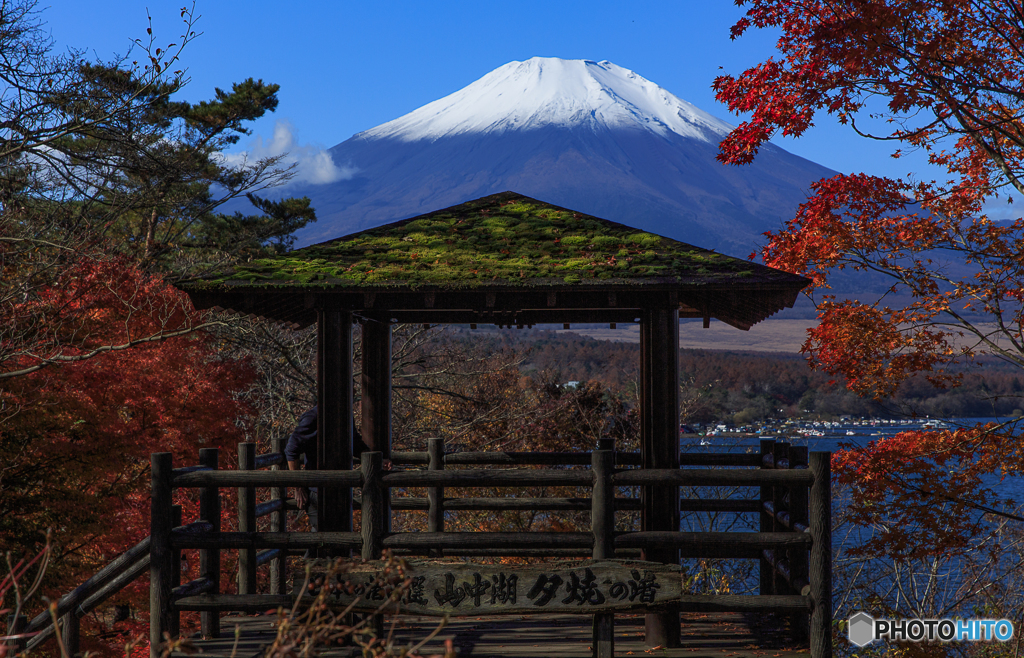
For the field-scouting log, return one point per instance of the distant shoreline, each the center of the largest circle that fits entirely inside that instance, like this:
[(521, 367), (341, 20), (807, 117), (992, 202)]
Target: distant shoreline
[(783, 336)]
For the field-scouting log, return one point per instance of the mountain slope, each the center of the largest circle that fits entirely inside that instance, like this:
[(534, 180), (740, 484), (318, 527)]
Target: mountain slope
[(584, 135)]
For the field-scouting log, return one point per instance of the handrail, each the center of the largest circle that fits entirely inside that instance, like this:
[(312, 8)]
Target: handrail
[(269, 507), (545, 477), (783, 517), (697, 478), (190, 469), (92, 600), (257, 540), (269, 479), (494, 478), (571, 458), (116, 567), (193, 588), (269, 459), (414, 503), (126, 568)]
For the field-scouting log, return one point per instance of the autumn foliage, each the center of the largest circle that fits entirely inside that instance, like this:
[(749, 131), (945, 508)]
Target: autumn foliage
[(93, 304), (111, 188), (951, 73), (77, 436), (944, 78), (892, 478)]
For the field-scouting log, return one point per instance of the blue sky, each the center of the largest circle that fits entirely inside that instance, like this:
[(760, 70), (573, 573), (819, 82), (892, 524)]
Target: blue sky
[(344, 67)]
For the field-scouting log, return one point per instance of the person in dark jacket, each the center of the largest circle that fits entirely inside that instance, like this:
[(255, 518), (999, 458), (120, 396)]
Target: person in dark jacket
[(303, 442)]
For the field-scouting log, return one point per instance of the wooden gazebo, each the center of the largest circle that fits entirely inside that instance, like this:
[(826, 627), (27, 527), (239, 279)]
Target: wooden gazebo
[(508, 260)]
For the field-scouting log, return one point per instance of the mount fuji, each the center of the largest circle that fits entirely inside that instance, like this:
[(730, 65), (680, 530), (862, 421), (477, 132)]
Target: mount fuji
[(585, 135)]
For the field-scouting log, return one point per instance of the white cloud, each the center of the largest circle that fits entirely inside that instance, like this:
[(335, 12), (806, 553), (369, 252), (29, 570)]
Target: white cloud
[(312, 163)]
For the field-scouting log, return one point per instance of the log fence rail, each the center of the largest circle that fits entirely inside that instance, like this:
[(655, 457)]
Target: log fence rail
[(134, 562), (793, 544)]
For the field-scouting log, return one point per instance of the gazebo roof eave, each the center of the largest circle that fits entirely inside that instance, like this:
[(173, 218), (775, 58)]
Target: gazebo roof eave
[(585, 267), (741, 307)]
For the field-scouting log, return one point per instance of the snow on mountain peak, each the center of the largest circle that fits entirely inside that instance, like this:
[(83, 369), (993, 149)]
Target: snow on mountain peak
[(547, 91)]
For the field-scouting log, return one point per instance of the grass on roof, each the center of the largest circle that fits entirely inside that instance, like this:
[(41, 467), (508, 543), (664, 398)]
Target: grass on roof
[(500, 239)]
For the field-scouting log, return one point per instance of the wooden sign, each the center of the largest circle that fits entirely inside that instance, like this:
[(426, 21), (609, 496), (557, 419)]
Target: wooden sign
[(433, 587)]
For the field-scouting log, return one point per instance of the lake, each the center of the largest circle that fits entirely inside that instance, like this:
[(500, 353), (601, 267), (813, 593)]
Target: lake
[(858, 433), (831, 437)]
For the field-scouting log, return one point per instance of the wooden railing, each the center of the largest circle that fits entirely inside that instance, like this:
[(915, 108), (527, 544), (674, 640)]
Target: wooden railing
[(133, 563), (109, 580), (165, 560), (793, 544)]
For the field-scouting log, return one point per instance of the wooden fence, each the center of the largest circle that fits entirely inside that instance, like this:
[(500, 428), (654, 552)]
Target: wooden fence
[(136, 561), (793, 544)]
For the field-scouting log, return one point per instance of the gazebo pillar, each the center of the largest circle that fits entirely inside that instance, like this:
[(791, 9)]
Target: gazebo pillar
[(334, 418), (376, 393), (659, 441)]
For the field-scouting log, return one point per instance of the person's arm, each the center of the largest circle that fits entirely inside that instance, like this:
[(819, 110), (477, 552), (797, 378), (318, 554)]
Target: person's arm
[(302, 440), (301, 493)]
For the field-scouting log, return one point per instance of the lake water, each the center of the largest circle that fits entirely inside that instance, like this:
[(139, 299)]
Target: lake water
[(833, 438), (837, 435)]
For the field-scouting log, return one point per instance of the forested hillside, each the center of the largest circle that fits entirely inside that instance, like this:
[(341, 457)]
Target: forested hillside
[(743, 387)]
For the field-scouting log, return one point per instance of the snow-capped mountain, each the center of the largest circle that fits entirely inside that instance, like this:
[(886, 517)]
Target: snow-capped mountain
[(590, 136), (554, 93)]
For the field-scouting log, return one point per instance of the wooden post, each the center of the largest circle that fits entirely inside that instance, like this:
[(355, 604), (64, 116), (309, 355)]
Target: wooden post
[(160, 554), (209, 558), (16, 625), (334, 420), (279, 523), (376, 395), (372, 520), (798, 558), (821, 554), (175, 627), (767, 570), (602, 505), (374, 494), (659, 441), (602, 524), (779, 495), (70, 632), (435, 495), (247, 520)]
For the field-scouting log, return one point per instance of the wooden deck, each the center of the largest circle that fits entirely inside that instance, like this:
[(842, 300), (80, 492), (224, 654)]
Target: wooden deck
[(539, 636)]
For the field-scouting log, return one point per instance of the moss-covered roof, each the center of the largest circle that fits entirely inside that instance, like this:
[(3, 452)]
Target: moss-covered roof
[(503, 240)]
